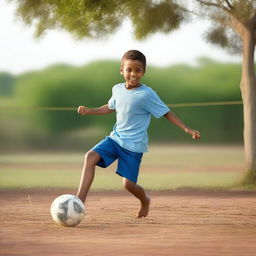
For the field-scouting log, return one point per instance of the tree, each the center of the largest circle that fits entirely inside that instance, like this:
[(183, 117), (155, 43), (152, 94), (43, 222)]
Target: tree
[(233, 27)]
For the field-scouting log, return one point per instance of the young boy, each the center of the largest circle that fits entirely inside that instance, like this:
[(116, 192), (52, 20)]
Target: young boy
[(134, 103)]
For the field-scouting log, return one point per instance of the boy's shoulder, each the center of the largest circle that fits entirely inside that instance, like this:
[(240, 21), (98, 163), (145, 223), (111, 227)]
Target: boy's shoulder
[(119, 85), (148, 90)]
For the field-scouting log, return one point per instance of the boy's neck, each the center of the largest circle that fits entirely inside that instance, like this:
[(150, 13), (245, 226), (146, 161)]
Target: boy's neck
[(128, 87)]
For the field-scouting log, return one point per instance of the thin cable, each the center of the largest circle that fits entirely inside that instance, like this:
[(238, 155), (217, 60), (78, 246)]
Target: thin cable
[(40, 108), (178, 105), (201, 104)]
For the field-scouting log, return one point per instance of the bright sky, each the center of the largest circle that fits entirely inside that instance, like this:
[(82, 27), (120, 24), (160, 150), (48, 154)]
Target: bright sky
[(21, 52)]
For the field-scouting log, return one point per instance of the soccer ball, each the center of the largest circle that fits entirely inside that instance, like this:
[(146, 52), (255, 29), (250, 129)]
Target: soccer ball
[(67, 210)]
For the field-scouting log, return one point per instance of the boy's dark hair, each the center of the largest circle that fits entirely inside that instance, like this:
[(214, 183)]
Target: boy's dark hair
[(134, 55)]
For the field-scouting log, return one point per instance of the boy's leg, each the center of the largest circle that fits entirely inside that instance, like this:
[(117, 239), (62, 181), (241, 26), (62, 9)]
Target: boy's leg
[(91, 159), (138, 192)]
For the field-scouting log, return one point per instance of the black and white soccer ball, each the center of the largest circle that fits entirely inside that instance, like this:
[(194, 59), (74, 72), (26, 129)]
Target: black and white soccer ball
[(67, 210)]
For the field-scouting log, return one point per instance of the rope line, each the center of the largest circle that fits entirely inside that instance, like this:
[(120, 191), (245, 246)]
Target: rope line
[(39, 108), (178, 105), (201, 104)]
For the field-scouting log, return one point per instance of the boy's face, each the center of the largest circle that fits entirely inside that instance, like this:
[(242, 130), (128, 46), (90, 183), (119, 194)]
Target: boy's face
[(132, 71)]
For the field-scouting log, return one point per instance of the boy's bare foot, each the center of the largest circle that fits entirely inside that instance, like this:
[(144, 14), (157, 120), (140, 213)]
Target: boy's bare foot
[(144, 208)]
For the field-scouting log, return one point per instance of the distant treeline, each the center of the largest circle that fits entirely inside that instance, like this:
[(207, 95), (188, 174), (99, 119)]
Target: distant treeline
[(90, 85)]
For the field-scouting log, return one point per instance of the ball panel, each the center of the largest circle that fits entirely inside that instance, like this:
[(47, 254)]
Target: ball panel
[(77, 207), (67, 210)]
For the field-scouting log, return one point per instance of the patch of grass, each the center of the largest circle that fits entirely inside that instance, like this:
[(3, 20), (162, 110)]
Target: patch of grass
[(12, 179), (164, 181), (164, 167), (36, 179), (41, 158), (195, 156)]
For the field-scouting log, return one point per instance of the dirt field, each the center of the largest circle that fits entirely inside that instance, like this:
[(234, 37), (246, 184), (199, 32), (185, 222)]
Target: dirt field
[(180, 223)]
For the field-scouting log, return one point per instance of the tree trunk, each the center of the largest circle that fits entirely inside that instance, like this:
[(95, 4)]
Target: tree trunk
[(248, 90)]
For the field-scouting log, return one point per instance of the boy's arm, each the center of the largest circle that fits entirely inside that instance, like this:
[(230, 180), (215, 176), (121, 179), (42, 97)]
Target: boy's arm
[(175, 120), (103, 110)]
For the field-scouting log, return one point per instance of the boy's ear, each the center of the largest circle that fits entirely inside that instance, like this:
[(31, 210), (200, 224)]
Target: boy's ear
[(121, 70)]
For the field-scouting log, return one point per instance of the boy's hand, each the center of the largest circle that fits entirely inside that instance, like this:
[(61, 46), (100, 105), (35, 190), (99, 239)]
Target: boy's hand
[(195, 134), (82, 110)]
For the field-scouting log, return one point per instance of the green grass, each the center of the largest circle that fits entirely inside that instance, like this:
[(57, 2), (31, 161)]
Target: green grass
[(164, 167), (41, 158), (161, 155), (12, 179)]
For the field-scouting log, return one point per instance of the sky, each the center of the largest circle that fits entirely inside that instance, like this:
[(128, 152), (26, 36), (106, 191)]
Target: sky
[(20, 51)]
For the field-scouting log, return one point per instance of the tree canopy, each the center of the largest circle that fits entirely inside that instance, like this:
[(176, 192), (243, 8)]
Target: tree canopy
[(94, 19), (90, 18), (225, 15)]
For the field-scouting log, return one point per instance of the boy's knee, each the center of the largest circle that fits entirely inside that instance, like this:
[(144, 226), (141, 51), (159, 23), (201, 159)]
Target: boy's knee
[(92, 157), (129, 185)]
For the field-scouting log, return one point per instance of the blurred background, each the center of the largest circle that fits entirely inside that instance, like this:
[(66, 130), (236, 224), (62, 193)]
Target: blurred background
[(59, 71), (24, 127)]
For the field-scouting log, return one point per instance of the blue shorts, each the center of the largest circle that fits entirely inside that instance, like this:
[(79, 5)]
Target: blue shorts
[(128, 161)]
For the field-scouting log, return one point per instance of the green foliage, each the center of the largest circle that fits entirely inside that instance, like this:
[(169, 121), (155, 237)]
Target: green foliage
[(225, 38), (218, 36), (63, 86), (164, 16), (243, 10), (82, 18), (208, 82), (7, 82), (227, 18), (66, 86), (90, 18)]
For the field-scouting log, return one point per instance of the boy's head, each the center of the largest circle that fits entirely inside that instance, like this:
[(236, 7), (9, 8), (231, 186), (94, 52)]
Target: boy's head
[(133, 68), (134, 55)]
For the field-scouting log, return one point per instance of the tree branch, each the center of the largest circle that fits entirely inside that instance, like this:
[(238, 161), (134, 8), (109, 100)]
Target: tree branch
[(237, 26), (252, 21), (229, 4), (188, 11), (217, 5), (234, 23), (208, 3)]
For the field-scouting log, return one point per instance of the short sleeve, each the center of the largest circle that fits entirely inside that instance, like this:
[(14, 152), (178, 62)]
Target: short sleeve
[(112, 101), (155, 105)]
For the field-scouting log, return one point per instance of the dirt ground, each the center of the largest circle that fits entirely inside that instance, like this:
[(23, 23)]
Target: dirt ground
[(183, 222)]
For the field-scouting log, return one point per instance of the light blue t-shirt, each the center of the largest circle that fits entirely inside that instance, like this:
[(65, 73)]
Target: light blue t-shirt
[(134, 108)]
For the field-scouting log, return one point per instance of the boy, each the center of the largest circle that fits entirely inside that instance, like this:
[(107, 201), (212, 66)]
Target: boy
[(134, 103)]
